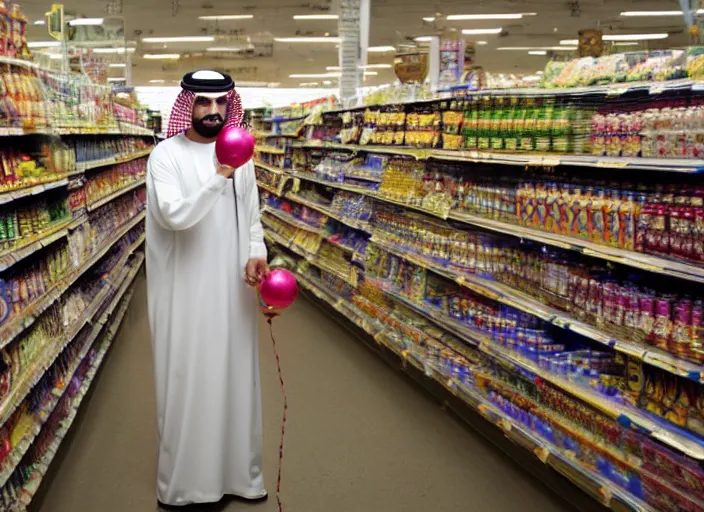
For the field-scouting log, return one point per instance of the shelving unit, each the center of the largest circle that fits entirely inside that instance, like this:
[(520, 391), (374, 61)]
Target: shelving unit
[(487, 306), (71, 233)]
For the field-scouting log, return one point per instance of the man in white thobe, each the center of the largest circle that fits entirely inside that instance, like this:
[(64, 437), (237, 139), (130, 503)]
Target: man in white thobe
[(205, 245)]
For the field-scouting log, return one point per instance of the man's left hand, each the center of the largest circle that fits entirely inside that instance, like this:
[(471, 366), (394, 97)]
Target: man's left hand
[(255, 271)]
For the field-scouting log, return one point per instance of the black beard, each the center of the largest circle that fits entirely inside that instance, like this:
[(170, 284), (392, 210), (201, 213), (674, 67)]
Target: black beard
[(208, 132)]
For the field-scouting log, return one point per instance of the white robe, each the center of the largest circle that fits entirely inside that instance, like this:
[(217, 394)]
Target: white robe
[(203, 320)]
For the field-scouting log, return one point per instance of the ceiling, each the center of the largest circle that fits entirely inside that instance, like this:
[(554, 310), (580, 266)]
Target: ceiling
[(393, 22)]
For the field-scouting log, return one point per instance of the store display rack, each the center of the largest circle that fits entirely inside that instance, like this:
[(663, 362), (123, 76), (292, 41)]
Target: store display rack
[(528, 324), (72, 210)]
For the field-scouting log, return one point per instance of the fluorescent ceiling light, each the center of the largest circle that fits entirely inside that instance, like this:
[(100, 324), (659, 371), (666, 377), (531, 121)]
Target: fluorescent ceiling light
[(308, 40), (116, 79), (333, 68), (40, 22), (464, 17), (429, 19), (334, 74), (651, 13), (314, 75), (481, 31), (423, 39), (184, 39), (536, 48), (381, 49), (481, 43), (229, 49), (537, 52), (156, 81), (626, 43), (113, 50), (43, 44), (377, 66), (227, 17), (636, 37), (161, 56), (529, 13), (316, 17), (86, 21), (118, 65), (570, 42)]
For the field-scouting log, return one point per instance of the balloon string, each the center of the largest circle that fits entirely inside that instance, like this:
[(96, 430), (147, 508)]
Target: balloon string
[(283, 421)]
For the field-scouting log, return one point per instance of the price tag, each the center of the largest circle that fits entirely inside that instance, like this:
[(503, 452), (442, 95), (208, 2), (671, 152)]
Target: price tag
[(617, 91), (612, 164)]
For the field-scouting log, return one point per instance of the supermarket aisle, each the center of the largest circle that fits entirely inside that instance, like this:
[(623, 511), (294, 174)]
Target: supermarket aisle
[(360, 438)]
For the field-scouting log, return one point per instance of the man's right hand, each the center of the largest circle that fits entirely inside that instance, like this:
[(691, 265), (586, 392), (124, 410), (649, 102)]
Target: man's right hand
[(226, 171)]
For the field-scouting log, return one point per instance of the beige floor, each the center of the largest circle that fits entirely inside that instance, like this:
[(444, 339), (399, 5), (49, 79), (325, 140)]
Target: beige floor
[(360, 437)]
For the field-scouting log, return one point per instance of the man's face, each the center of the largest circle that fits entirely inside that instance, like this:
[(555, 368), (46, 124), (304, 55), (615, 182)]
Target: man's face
[(209, 115)]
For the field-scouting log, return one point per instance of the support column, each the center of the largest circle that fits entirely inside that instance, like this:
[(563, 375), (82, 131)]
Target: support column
[(353, 29)]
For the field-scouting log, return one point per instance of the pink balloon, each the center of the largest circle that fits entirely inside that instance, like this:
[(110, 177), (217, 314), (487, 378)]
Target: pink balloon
[(279, 289), (234, 147)]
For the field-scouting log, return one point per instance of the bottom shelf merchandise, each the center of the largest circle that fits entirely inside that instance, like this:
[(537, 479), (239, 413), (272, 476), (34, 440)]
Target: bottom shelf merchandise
[(32, 436), (568, 400)]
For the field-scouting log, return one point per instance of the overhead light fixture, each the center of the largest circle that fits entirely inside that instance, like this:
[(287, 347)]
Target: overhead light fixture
[(334, 40), (161, 56), (117, 65), (116, 79), (467, 17), (377, 66), (314, 75), (43, 44), (327, 82), (650, 13), (333, 74), (333, 68), (156, 81), (182, 39), (481, 43), (86, 21), (423, 39), (316, 17), (225, 17), (234, 49), (529, 13), (537, 48), (537, 52), (380, 49), (636, 37), (40, 22), (429, 19), (113, 50), (569, 42), (481, 31), (625, 43)]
